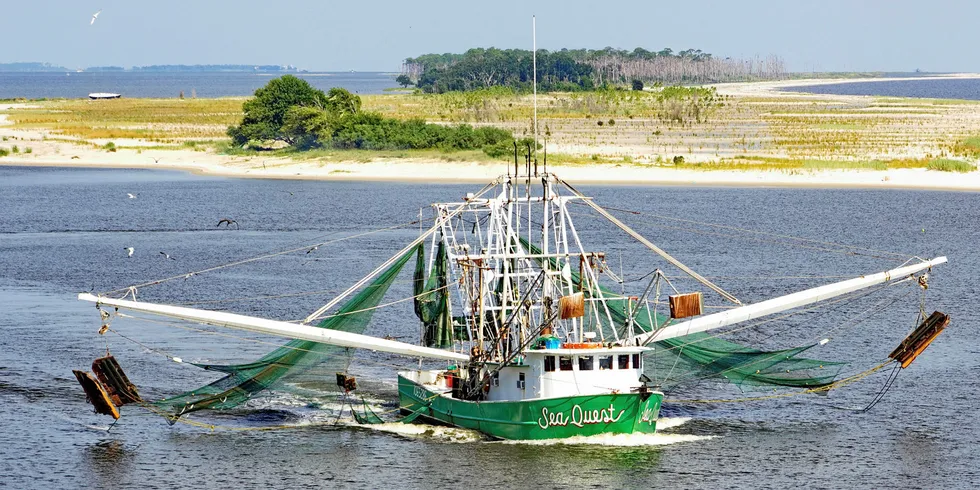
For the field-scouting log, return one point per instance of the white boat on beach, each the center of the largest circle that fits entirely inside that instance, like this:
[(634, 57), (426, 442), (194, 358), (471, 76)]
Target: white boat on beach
[(103, 95)]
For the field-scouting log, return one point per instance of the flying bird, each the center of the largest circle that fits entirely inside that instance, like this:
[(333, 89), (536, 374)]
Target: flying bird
[(129, 251), (165, 255), (95, 16), (131, 195), (227, 222), (156, 159), (313, 249)]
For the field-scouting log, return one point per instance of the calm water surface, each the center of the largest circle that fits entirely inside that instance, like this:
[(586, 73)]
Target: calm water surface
[(950, 88), (64, 230), (171, 84)]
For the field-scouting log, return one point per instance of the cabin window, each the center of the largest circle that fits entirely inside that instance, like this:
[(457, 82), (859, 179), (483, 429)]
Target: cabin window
[(624, 361), (496, 379), (565, 363), (585, 363), (605, 362), (520, 381), (549, 363), (636, 361)]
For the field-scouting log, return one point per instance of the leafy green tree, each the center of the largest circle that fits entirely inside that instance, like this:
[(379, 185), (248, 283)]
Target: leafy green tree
[(266, 112), (403, 80), (341, 102), (309, 127)]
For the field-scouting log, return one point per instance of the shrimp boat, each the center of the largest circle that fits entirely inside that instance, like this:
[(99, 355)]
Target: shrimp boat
[(521, 337), (513, 302)]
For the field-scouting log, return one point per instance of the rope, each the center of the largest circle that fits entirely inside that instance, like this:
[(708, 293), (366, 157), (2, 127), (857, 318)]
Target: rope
[(757, 232), (187, 275), (835, 384), (651, 246)]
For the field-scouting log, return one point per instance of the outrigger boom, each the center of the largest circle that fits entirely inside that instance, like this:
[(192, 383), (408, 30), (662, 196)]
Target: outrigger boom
[(278, 328), (347, 339), (779, 304)]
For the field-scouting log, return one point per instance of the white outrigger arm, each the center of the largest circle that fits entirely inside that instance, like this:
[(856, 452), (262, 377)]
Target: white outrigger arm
[(779, 304), (279, 328)]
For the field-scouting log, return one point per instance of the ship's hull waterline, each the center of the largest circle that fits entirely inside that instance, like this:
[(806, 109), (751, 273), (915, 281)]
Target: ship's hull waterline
[(551, 418)]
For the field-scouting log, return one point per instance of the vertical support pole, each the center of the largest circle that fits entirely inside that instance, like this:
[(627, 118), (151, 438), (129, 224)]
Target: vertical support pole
[(534, 69)]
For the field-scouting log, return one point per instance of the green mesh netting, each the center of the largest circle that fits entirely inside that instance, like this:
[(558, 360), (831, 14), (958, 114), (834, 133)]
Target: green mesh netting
[(432, 300), (366, 418), (696, 356), (245, 380)]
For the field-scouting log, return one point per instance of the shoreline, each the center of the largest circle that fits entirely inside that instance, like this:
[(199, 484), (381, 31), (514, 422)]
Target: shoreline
[(50, 149), (777, 87), (435, 173)]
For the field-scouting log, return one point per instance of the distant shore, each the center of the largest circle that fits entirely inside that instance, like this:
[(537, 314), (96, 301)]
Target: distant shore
[(50, 149)]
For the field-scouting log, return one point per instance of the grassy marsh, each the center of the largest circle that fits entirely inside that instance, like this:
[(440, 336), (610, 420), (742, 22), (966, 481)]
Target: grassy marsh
[(797, 132)]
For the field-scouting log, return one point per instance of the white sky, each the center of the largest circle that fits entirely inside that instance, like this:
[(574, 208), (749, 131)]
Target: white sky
[(828, 35)]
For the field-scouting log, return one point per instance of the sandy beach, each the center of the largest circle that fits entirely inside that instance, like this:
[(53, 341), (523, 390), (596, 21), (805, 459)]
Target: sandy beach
[(47, 148)]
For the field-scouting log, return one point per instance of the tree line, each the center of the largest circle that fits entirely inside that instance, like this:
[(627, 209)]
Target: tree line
[(578, 69)]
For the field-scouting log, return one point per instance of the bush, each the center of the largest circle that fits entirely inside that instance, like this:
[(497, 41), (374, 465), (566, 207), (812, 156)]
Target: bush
[(110, 147), (637, 85), (947, 165), (678, 160), (4, 152), (28, 150), (15, 149)]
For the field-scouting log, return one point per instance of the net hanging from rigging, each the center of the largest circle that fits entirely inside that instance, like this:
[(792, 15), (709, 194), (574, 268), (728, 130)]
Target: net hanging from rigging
[(295, 357)]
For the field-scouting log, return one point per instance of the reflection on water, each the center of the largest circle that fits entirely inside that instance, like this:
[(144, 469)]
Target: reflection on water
[(109, 461)]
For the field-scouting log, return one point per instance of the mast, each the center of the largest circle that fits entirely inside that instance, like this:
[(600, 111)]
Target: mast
[(779, 304), (278, 328), (534, 90)]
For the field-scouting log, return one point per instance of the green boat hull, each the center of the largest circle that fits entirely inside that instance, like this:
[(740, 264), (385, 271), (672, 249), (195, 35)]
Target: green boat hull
[(551, 418)]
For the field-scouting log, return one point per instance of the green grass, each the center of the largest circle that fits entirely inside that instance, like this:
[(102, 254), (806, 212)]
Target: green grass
[(164, 120), (968, 146), (947, 165), (752, 163)]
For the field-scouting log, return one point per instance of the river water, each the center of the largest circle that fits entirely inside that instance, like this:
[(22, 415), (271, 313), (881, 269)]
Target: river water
[(63, 231)]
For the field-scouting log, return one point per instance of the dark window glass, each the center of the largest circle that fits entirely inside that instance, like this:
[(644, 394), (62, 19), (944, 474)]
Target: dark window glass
[(605, 362), (585, 363), (520, 381), (624, 361), (565, 363), (636, 361), (549, 363)]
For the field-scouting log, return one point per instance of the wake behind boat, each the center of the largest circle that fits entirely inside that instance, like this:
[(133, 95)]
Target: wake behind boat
[(529, 338)]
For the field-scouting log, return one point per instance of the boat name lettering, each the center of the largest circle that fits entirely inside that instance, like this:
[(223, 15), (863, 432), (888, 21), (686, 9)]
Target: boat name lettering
[(420, 393), (578, 417)]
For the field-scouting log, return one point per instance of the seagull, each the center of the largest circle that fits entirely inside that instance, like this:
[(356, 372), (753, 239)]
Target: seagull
[(131, 195), (95, 16), (129, 251), (156, 159), (165, 255), (227, 222), (313, 249)]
